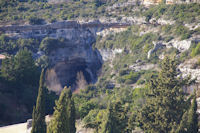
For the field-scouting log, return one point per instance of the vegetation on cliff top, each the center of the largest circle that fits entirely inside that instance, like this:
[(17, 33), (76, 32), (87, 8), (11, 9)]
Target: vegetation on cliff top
[(37, 12)]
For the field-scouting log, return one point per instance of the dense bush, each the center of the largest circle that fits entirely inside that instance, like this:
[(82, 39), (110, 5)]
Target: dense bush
[(123, 72), (6, 44), (38, 11), (130, 78), (20, 68), (6, 3), (196, 50), (92, 120), (176, 30), (182, 13), (19, 76), (49, 44), (183, 32), (35, 21), (85, 108), (10, 45)]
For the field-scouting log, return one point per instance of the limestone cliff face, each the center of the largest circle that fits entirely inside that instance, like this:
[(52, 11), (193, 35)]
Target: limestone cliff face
[(58, 29), (74, 55)]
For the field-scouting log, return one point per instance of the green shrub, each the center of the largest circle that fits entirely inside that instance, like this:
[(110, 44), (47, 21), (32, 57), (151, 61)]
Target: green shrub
[(169, 38), (10, 45), (141, 81), (166, 28), (53, 20), (85, 108), (196, 50), (180, 12), (90, 121), (147, 47), (49, 44), (198, 62), (197, 30), (139, 95), (35, 20), (182, 31), (123, 72), (130, 78), (185, 36)]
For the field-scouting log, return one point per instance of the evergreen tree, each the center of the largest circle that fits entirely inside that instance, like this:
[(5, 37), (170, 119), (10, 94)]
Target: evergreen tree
[(193, 116), (25, 67), (38, 124), (182, 127), (64, 115), (20, 68), (165, 104), (71, 113), (120, 117), (116, 120), (7, 69), (189, 122), (108, 125)]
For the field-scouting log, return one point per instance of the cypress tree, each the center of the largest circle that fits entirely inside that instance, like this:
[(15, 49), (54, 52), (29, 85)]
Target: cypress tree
[(120, 117), (182, 127), (116, 120), (107, 125), (189, 122), (64, 115), (193, 116), (71, 113), (165, 104), (38, 124)]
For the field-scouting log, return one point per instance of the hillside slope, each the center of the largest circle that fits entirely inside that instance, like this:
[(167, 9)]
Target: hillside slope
[(106, 51)]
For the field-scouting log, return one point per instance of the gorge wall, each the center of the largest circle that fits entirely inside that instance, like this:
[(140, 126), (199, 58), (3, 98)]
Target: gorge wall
[(75, 55)]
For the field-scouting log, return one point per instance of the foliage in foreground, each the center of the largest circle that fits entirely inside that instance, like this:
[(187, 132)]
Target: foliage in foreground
[(19, 80), (189, 122), (166, 103), (116, 119), (63, 120), (39, 124)]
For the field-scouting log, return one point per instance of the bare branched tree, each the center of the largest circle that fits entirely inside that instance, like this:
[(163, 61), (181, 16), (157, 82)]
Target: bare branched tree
[(81, 83)]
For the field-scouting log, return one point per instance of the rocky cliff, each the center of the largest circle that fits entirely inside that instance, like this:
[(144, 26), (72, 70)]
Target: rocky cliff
[(74, 55), (58, 29), (77, 53)]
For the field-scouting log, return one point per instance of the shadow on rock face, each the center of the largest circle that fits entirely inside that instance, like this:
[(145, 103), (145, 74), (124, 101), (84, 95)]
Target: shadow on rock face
[(65, 73)]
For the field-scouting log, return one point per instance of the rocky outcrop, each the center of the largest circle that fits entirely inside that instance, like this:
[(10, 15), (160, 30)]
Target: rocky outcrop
[(123, 4), (156, 2), (109, 54), (151, 2), (56, 29), (161, 21), (181, 46), (157, 45), (139, 66), (65, 68), (123, 20), (191, 67), (75, 54), (110, 31)]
